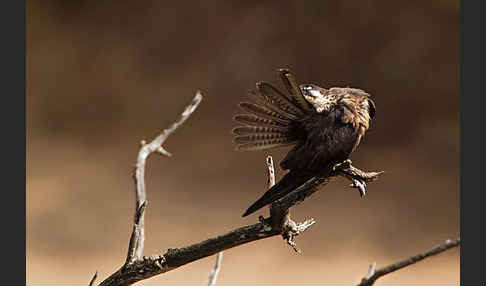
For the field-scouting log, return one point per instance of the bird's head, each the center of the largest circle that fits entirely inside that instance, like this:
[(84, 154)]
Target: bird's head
[(323, 100), (318, 97)]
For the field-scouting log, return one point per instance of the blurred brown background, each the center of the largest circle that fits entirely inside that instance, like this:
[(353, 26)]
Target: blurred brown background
[(103, 75)]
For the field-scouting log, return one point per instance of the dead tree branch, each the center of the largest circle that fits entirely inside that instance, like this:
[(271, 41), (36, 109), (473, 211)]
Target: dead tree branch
[(137, 268), (91, 283), (137, 239), (374, 274), (214, 273)]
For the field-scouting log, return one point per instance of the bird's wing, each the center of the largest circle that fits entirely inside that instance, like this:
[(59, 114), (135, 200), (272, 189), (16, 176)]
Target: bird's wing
[(327, 142), (270, 121)]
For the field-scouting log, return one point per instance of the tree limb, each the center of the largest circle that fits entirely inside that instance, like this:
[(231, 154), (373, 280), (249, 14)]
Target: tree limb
[(214, 273), (374, 274), (91, 283), (137, 239)]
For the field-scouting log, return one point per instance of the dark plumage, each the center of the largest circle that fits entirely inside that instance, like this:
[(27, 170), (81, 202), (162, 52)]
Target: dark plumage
[(324, 125)]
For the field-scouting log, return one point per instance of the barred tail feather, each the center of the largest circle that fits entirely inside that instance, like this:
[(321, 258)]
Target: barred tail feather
[(251, 119), (291, 85), (260, 137), (265, 144), (245, 130), (265, 101), (272, 118), (273, 96), (263, 111)]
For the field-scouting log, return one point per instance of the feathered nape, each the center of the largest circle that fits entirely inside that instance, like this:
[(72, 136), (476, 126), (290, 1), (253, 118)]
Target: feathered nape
[(271, 116)]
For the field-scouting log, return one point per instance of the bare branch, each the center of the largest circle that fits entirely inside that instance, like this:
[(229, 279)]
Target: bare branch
[(175, 257), (373, 274), (137, 239), (91, 283), (278, 215), (213, 277), (371, 271), (136, 234), (271, 172)]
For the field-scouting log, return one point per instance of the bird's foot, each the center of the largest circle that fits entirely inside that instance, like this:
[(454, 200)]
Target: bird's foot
[(357, 177), (343, 165), (360, 185)]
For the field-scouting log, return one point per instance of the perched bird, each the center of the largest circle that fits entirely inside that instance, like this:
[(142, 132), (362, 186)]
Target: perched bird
[(324, 125)]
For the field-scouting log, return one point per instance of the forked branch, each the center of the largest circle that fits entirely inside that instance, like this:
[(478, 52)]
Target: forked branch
[(137, 239)]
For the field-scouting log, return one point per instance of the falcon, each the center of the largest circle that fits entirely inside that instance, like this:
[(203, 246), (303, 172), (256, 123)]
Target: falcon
[(324, 126)]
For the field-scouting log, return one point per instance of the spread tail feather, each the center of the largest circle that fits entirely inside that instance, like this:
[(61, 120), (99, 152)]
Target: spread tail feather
[(265, 112), (271, 118), (286, 185), (254, 120), (271, 96)]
